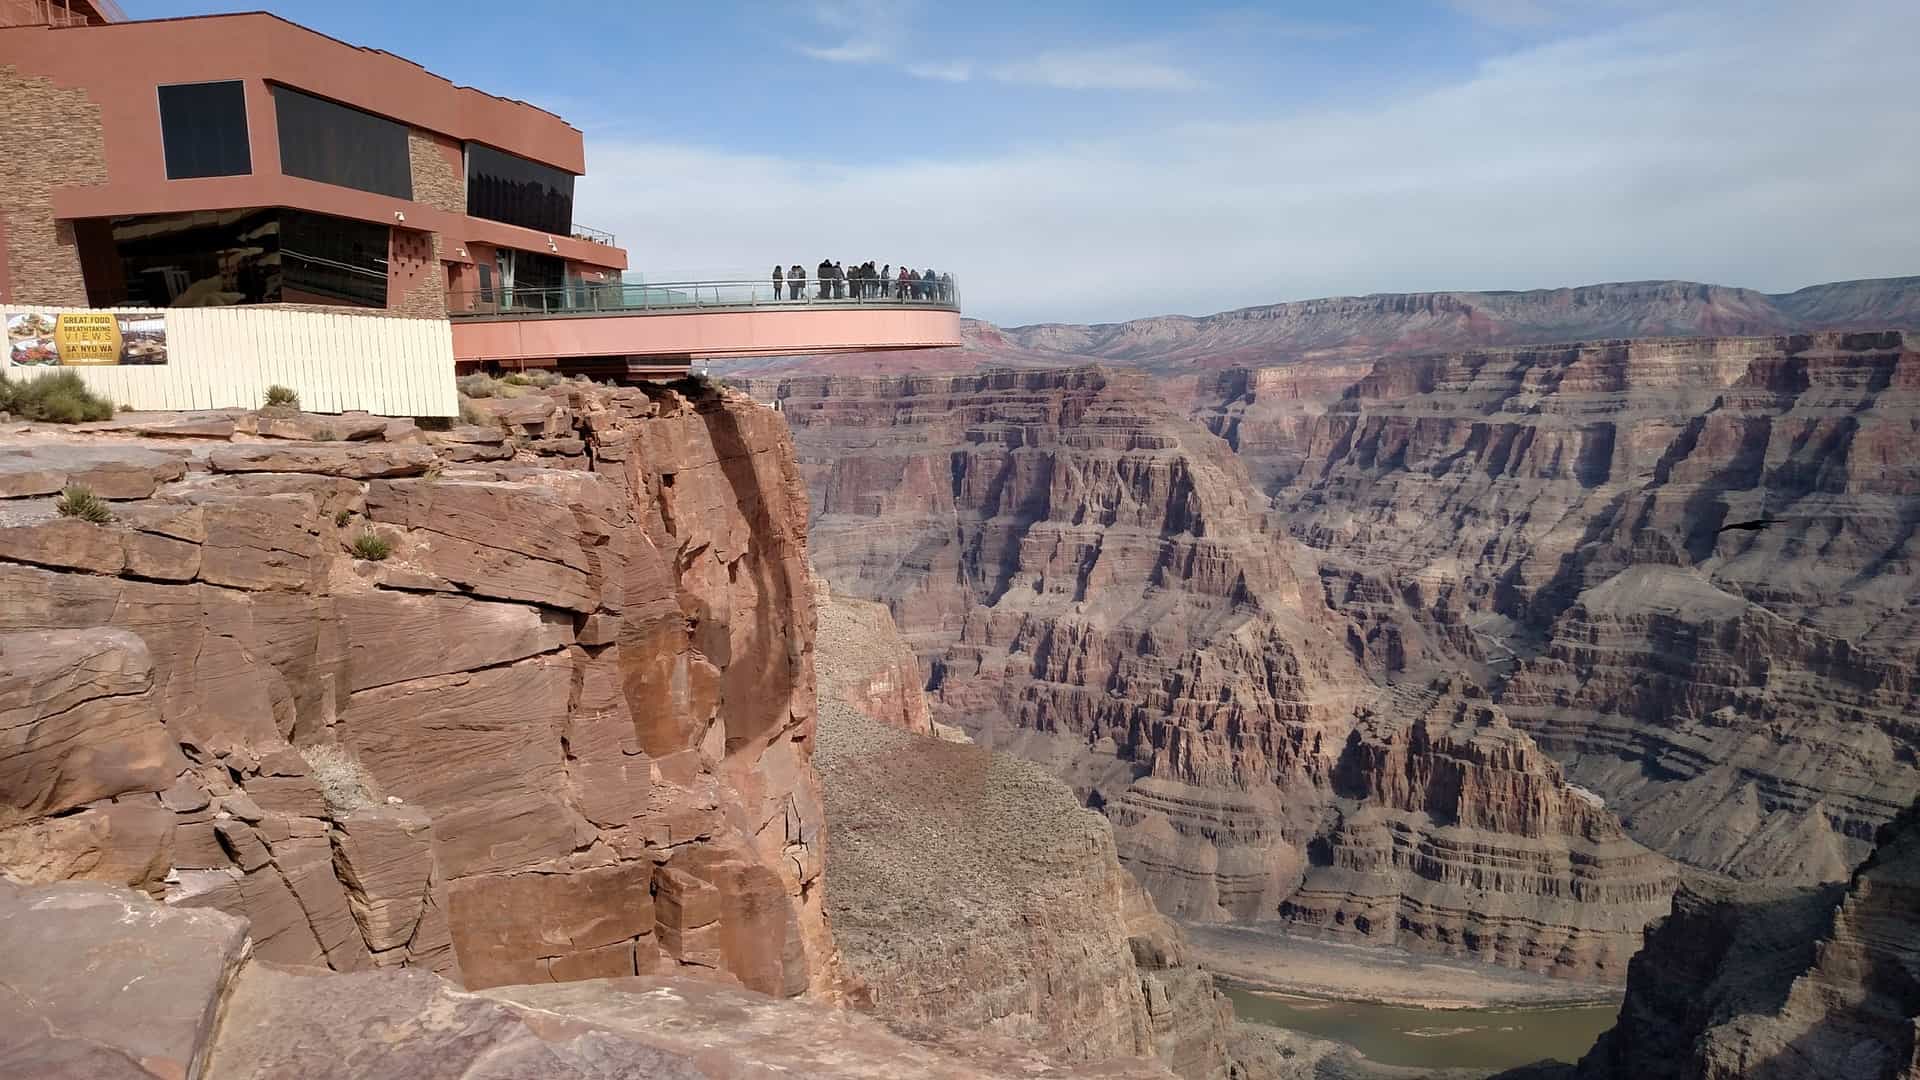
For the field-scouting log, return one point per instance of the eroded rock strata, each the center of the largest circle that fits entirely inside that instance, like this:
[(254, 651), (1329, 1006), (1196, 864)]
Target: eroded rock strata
[(560, 730), (971, 891), (1094, 584), (1742, 698), (1453, 833), (1779, 982)]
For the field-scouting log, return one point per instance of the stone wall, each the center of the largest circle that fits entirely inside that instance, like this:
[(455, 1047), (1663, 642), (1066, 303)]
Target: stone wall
[(53, 138)]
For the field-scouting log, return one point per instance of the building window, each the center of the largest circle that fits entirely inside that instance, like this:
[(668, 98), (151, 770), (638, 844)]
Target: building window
[(213, 258), (508, 188), (330, 260), (334, 144), (203, 130)]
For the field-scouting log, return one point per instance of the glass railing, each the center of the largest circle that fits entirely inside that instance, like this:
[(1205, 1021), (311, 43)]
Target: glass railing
[(596, 236), (587, 298)]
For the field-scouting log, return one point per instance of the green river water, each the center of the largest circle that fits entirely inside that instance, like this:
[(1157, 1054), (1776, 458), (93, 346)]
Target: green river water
[(1455, 1038)]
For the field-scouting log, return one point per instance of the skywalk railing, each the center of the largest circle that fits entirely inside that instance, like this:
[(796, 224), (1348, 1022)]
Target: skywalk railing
[(591, 298)]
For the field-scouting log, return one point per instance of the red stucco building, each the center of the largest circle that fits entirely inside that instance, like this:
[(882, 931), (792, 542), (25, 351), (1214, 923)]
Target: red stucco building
[(243, 159)]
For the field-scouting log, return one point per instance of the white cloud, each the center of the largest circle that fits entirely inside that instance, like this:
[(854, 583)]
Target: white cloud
[(1751, 147), (955, 71), (1121, 68)]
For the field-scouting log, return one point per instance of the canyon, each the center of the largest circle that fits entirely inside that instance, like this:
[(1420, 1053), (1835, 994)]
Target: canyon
[(501, 740), (1211, 602)]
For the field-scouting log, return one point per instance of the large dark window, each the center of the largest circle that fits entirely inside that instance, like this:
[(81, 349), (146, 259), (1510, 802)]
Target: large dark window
[(330, 260), (203, 128), (505, 187), (211, 258), (334, 144)]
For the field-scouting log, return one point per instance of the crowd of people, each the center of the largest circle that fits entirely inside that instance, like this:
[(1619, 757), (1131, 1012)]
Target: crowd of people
[(864, 282)]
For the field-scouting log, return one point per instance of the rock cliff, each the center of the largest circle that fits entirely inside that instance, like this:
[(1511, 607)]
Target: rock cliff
[(1452, 833), (970, 891), (1093, 584), (1775, 982), (539, 718), (1741, 697)]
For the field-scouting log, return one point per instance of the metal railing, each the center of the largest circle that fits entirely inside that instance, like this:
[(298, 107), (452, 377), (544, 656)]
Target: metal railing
[(589, 298), (592, 236)]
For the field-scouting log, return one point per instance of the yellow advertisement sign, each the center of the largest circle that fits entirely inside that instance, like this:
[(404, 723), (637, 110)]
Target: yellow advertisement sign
[(91, 337), (39, 339)]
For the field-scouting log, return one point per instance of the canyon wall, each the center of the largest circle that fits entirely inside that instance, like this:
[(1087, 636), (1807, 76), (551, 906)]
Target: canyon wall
[(1742, 697), (1093, 583), (542, 717), (1775, 982), (970, 891)]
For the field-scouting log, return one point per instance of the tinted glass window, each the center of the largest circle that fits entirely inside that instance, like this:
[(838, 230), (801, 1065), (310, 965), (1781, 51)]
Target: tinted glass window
[(505, 187), (203, 128), (330, 260), (199, 259), (334, 144)]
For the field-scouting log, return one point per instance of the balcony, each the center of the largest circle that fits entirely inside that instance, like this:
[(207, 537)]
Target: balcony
[(669, 323)]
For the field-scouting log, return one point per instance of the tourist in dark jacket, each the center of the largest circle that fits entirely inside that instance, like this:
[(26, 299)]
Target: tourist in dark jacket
[(946, 287), (824, 274), (778, 278), (796, 281), (927, 284)]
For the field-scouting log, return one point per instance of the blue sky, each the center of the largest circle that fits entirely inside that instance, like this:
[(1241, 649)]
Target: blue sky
[(1089, 162)]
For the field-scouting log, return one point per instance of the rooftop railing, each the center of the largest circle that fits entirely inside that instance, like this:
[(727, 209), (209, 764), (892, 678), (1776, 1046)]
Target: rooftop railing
[(593, 236), (596, 298)]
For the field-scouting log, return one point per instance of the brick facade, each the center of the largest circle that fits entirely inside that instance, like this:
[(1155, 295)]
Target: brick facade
[(417, 281), (51, 137)]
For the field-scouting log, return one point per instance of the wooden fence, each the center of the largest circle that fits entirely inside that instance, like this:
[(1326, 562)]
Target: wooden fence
[(226, 357)]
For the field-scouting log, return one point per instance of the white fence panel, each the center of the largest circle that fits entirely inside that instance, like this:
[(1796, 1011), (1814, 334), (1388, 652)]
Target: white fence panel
[(226, 357)]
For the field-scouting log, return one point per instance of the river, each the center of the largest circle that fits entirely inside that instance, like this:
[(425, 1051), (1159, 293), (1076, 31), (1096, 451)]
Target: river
[(1494, 1038)]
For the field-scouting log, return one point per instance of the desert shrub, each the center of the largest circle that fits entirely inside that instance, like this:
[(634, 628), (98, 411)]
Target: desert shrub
[(79, 501), (53, 399), (282, 397), (472, 416), (326, 434), (340, 519), (371, 546), (477, 385), (540, 379), (343, 782)]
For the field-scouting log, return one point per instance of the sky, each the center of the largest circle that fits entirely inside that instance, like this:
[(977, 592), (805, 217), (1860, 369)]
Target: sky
[(1093, 162)]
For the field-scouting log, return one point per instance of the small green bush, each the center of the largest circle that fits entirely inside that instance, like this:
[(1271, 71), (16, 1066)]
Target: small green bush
[(340, 519), (79, 501), (472, 416), (282, 397), (53, 399), (371, 546)]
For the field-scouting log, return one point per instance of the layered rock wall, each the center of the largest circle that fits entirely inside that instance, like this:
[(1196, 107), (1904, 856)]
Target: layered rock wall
[(561, 730), (1775, 982), (1093, 583), (971, 892), (1741, 696)]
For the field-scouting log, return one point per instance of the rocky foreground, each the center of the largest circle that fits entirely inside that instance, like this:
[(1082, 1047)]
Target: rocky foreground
[(343, 748)]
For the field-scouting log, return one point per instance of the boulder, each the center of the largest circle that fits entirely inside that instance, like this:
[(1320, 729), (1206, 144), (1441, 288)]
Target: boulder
[(109, 470), (319, 427), (78, 722), (102, 982), (353, 462)]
